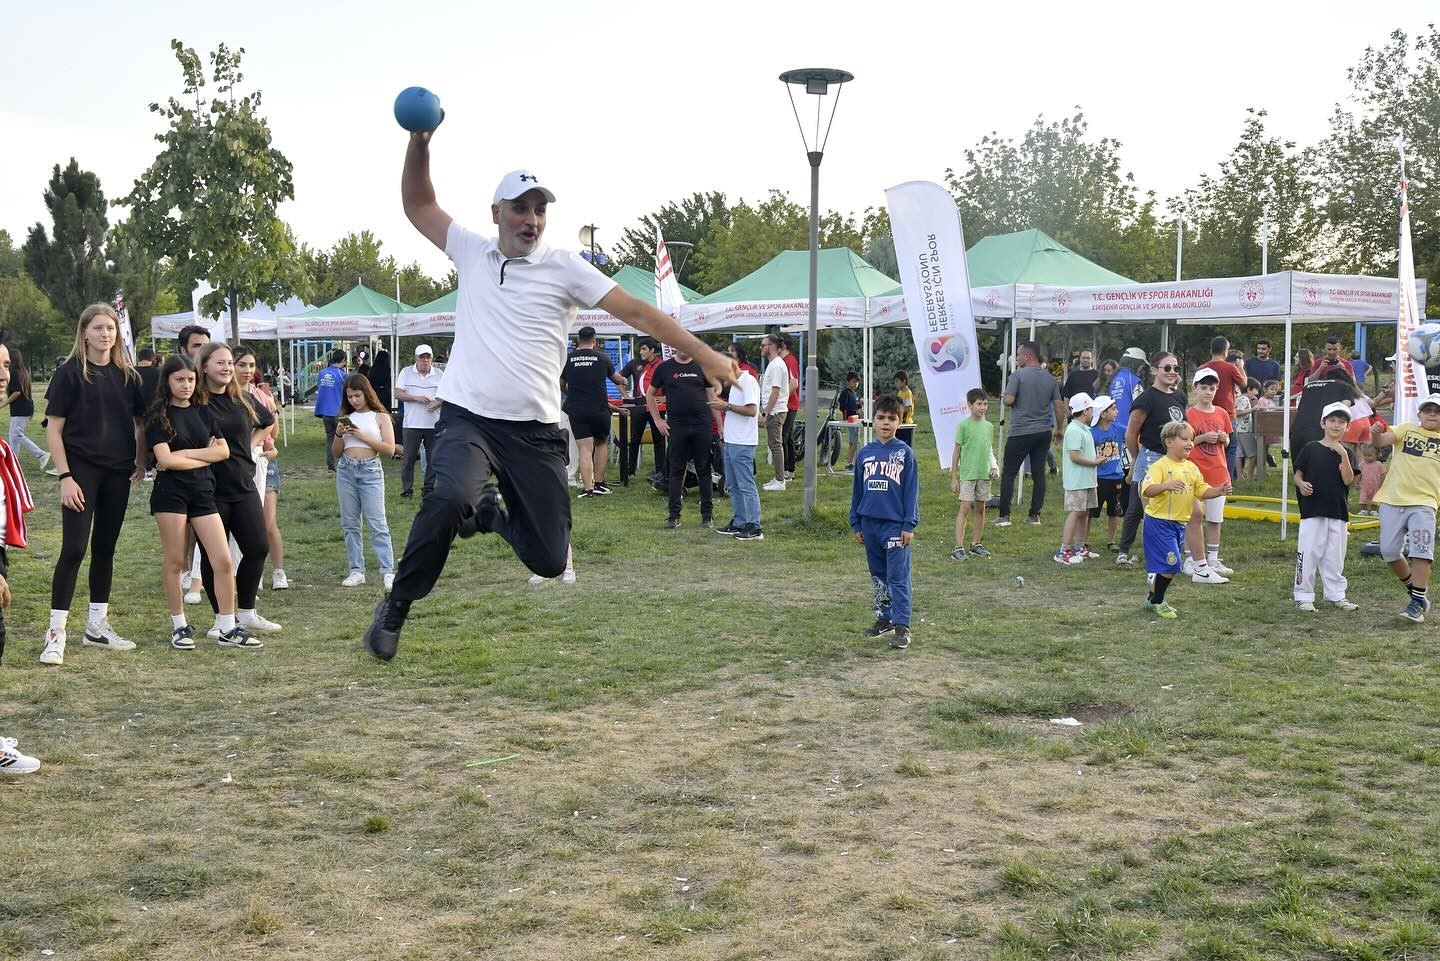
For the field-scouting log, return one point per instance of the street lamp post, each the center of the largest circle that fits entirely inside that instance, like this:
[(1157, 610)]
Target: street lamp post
[(816, 81)]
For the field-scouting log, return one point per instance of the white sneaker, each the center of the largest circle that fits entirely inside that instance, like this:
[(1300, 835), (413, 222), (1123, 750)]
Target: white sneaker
[(355, 579), (1188, 566), (193, 597), (568, 577), (536, 580), (54, 650), (44, 463), (278, 580), (775, 485), (104, 636), (1307, 606), (214, 631), (1208, 575), (13, 762), (389, 580), (259, 625), (1218, 565), (1345, 605)]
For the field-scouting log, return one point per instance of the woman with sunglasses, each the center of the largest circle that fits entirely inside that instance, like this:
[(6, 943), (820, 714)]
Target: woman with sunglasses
[(1157, 405)]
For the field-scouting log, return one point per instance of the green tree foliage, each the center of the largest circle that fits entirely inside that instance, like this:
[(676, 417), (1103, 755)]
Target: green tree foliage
[(1224, 211), (69, 264), (360, 258), (32, 323), (141, 277), (1396, 90), (690, 221), (12, 261), (208, 202), (1059, 181), (756, 234)]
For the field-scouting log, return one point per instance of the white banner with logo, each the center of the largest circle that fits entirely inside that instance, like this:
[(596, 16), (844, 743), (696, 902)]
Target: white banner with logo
[(1218, 299), (930, 250), (1341, 295)]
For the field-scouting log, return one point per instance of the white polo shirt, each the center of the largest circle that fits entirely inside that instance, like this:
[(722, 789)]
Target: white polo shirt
[(419, 416), (510, 338), (743, 428)]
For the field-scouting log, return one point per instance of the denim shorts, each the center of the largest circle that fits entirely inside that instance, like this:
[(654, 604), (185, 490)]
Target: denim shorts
[(272, 476)]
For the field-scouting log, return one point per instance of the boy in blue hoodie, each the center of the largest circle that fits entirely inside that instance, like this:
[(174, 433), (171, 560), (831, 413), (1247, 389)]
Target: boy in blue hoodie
[(884, 509)]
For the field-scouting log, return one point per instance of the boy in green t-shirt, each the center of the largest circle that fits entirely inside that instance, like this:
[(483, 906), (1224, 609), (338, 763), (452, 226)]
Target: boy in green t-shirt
[(972, 468)]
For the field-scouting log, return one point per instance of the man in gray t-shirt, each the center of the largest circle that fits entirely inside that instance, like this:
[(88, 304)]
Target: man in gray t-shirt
[(1036, 409)]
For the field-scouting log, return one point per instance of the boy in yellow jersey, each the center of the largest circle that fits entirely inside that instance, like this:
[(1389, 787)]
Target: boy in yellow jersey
[(1170, 488), (1407, 502)]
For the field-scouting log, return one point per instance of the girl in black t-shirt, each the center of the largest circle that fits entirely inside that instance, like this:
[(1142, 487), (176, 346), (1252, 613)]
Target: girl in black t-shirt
[(185, 442), (1157, 405), (243, 425), (95, 411), (22, 408)]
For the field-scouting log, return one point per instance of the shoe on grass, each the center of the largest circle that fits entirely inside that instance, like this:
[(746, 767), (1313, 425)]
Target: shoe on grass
[(53, 653), (880, 628), (1415, 610), (278, 580), (353, 579), (729, 530), (14, 762), (193, 597), (901, 638), (1164, 610), (1219, 566), (1205, 574), (260, 625), (671, 523), (980, 550), (536, 580), (1033, 521), (183, 638), (240, 639), (1345, 605), (751, 532), (1002, 522), (958, 554), (382, 637), (1307, 606), (388, 579), (105, 636)]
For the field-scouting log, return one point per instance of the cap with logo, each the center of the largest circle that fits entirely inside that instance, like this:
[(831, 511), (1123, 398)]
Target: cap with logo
[(1339, 407), (1205, 373), (519, 182), (424, 349)]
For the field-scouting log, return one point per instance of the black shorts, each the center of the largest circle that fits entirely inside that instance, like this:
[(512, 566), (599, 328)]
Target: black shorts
[(590, 423), (1111, 494), (169, 497)]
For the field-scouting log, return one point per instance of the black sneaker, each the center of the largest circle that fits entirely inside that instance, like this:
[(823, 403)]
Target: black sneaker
[(708, 523), (239, 638), (730, 529), (901, 640), (880, 628), (382, 638), (592, 492), (980, 550), (751, 532), (603, 488), (482, 518), (407, 494), (671, 523), (183, 638)]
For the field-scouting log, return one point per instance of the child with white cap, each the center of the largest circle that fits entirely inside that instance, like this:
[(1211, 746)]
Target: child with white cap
[(1079, 476), (1323, 475), (1212, 427)]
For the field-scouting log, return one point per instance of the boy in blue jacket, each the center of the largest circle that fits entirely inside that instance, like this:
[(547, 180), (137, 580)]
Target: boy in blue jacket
[(884, 509)]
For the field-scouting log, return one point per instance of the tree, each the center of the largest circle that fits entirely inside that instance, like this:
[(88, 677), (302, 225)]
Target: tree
[(690, 221), (12, 261), (1396, 89), (140, 277), (32, 322), (69, 265), (1224, 212), (360, 258), (754, 235), (208, 202)]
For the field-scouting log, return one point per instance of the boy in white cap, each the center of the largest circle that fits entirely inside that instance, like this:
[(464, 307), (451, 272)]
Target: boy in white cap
[(1078, 468), (1407, 502), (1212, 427), (1323, 475)]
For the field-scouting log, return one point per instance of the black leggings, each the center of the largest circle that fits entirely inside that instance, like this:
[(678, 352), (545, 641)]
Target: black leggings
[(106, 495), (244, 520)]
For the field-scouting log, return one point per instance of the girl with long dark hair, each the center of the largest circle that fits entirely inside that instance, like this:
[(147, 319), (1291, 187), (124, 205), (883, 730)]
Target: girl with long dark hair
[(243, 425), (22, 408), (267, 463), (363, 436), (95, 411), (185, 441)]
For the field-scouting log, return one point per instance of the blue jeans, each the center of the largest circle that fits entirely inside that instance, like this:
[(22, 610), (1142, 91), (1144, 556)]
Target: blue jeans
[(889, 565), (361, 487), (740, 475)]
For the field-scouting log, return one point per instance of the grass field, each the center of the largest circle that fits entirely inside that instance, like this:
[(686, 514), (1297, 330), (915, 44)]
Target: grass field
[(710, 761)]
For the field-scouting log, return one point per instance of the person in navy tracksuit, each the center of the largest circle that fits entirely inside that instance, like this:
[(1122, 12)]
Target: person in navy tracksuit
[(884, 509)]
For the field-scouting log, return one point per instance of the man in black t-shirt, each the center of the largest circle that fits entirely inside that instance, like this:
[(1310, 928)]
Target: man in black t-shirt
[(1081, 379), (639, 370), (587, 404), (687, 426)]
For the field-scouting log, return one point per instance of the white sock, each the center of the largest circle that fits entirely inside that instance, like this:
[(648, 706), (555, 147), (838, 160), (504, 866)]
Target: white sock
[(1212, 553), (226, 622), (96, 616), (245, 617), (569, 559), (177, 621), (58, 619)]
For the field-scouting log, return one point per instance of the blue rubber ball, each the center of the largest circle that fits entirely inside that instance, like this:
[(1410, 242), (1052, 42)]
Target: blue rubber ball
[(417, 109)]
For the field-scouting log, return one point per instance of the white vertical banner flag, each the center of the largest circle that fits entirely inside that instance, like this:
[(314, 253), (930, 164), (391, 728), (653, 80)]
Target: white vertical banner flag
[(930, 250), (667, 288), (127, 336), (1411, 387)]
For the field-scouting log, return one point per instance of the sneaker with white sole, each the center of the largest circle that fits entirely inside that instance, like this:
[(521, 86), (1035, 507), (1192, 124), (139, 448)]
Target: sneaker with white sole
[(389, 580), (214, 632), (1218, 565), (44, 460), (13, 762), (260, 625), (193, 597), (1205, 574), (568, 577), (278, 580), (353, 579), (1307, 606), (53, 653), (1415, 610), (240, 639), (1345, 605), (775, 485), (1003, 522), (1187, 566), (183, 638), (105, 636), (537, 580)]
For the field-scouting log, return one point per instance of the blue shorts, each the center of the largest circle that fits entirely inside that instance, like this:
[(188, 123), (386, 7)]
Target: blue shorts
[(272, 476), (1164, 545)]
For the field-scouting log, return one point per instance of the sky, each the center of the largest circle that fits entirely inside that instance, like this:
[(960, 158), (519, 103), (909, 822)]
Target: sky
[(624, 107)]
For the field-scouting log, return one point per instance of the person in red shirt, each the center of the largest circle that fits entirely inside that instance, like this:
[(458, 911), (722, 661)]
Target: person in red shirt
[(792, 406), (1231, 377), (640, 369), (1213, 432), (1333, 355)]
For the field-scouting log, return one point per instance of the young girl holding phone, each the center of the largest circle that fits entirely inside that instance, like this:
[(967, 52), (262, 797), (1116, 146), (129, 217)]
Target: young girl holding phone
[(363, 434)]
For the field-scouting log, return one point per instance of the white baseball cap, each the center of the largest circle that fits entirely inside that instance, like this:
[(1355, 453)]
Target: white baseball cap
[(1135, 353), (1339, 407), (1081, 401), (1098, 405), (424, 349), (1205, 373), (517, 183)]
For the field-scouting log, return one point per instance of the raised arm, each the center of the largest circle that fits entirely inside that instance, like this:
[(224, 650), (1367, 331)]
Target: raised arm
[(418, 194), (718, 368)]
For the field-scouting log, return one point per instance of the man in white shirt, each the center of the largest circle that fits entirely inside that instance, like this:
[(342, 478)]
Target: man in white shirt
[(416, 387), (500, 398), (741, 434), (774, 396)]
